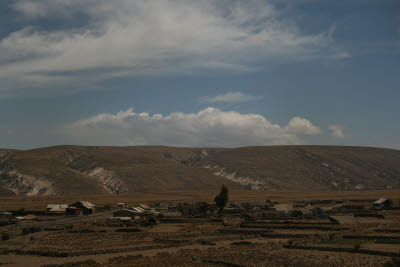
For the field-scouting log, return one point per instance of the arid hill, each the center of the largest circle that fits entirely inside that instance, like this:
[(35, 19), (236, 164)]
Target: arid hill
[(118, 170)]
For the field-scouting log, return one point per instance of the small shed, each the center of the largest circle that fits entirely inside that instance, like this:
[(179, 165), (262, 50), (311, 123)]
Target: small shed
[(18, 218), (121, 205), (6, 214), (382, 203), (143, 206), (30, 217), (136, 215), (137, 209)]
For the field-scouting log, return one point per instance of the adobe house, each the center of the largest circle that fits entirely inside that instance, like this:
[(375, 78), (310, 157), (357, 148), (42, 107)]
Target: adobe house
[(53, 209), (126, 213), (137, 215), (81, 208), (148, 217)]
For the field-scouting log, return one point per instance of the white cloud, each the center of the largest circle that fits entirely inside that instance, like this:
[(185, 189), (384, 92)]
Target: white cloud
[(209, 127), (302, 126), (337, 131), (229, 97), (127, 38)]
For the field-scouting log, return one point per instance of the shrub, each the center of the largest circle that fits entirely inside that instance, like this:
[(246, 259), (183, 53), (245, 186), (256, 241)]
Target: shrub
[(5, 237), (204, 207)]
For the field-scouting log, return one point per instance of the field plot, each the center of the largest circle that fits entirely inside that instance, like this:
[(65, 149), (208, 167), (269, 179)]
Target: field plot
[(256, 234)]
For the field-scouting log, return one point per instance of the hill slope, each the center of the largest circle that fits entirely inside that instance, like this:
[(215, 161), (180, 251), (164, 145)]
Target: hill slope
[(308, 167), (116, 170)]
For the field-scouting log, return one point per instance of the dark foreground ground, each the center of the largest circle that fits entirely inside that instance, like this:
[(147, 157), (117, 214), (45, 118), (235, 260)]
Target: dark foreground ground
[(259, 238)]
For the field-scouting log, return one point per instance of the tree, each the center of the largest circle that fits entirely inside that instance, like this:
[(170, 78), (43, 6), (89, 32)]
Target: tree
[(222, 199)]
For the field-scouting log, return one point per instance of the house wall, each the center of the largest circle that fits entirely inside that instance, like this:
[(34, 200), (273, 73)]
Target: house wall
[(124, 213)]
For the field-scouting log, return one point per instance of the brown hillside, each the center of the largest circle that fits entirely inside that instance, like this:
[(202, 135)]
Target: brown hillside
[(118, 170), (98, 170), (310, 167)]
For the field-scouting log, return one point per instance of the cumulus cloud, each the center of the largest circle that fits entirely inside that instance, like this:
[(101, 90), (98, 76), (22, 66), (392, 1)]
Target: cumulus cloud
[(229, 97), (302, 126), (209, 127), (337, 131), (128, 38)]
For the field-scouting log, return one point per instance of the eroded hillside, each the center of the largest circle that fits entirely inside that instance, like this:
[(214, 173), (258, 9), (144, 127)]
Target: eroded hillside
[(119, 170), (104, 170), (308, 167)]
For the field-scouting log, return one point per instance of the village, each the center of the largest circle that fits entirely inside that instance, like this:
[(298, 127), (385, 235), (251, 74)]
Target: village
[(203, 233), (143, 213)]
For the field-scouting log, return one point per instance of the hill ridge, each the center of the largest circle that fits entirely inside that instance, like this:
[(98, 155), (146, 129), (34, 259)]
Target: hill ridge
[(114, 170)]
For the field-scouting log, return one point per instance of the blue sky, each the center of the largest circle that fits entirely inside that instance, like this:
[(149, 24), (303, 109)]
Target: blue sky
[(199, 73)]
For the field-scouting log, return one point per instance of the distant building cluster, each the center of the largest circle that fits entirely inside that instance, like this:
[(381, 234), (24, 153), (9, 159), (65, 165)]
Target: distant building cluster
[(82, 207), (153, 213)]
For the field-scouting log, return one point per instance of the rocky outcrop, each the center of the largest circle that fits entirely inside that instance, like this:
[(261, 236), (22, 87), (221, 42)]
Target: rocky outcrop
[(109, 180), (20, 183), (23, 184), (247, 182)]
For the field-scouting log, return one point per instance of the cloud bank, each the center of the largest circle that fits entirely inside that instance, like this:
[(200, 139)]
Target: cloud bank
[(229, 97), (131, 38), (210, 127)]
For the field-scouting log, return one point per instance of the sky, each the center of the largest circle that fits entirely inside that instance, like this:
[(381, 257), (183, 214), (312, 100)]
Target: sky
[(203, 73)]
